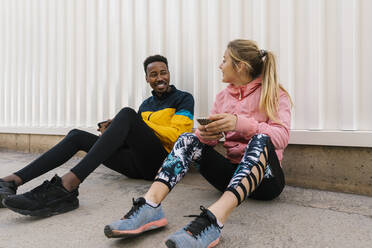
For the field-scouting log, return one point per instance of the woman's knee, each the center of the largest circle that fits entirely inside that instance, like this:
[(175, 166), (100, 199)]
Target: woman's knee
[(257, 145), (262, 138), (191, 136), (187, 139)]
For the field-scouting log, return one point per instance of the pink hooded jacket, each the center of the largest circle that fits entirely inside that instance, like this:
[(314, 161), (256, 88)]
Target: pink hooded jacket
[(243, 101)]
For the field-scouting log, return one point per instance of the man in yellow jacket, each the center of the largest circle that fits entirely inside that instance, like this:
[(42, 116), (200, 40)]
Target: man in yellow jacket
[(134, 144)]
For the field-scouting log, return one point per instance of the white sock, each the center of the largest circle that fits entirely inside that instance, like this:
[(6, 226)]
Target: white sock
[(219, 224), (152, 204)]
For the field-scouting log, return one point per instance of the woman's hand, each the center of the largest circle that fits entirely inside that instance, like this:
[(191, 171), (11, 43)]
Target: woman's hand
[(208, 135), (222, 123)]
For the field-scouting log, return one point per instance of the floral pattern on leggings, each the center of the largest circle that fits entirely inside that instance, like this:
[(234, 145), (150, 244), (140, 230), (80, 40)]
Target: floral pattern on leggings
[(187, 148)]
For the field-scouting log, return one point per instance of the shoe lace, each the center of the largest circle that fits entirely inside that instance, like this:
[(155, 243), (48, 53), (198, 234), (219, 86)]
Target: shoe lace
[(11, 185), (136, 206), (40, 191), (202, 221)]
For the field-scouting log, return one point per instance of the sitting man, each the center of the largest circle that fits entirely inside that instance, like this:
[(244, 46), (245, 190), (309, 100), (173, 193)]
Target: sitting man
[(133, 144)]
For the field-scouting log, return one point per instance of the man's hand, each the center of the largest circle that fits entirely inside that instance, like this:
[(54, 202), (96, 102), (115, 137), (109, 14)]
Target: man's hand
[(103, 126)]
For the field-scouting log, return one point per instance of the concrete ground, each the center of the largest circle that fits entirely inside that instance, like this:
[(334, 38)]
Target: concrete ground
[(298, 218)]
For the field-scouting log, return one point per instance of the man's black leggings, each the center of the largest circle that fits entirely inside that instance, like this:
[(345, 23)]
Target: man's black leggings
[(128, 146)]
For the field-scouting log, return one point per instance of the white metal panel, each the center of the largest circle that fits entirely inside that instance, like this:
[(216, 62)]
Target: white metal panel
[(258, 26), (66, 64), (316, 64), (35, 65), (20, 65), (349, 64), (365, 51), (43, 55), (214, 54), (301, 58), (126, 58), (27, 75), (13, 63), (114, 48), (80, 61), (91, 62), (333, 76), (286, 49), (2, 64), (102, 61)]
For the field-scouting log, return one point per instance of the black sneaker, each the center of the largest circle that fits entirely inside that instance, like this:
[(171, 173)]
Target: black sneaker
[(6, 189), (50, 198)]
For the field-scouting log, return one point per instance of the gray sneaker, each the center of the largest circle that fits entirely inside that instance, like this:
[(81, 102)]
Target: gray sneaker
[(203, 232), (141, 218), (6, 189)]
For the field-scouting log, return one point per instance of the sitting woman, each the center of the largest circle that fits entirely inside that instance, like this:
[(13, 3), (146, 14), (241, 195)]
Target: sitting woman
[(253, 112)]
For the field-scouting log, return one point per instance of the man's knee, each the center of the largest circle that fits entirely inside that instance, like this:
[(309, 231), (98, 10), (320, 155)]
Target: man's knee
[(75, 135), (126, 111), (75, 132)]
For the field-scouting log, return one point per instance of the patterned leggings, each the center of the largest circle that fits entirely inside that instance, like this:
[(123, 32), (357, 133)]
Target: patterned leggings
[(189, 149)]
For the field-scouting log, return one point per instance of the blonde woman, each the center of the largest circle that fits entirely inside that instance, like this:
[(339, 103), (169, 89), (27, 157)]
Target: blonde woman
[(253, 112)]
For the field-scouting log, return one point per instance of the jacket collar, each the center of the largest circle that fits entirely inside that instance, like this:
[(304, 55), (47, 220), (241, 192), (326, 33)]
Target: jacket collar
[(240, 92), (165, 94)]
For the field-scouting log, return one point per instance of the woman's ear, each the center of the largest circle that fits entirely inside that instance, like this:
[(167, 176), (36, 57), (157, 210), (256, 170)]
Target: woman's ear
[(242, 67)]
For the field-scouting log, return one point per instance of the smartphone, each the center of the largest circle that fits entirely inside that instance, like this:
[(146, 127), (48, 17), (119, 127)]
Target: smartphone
[(204, 121)]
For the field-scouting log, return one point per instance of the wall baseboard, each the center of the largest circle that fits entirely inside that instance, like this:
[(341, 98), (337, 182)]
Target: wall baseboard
[(334, 168), (30, 143)]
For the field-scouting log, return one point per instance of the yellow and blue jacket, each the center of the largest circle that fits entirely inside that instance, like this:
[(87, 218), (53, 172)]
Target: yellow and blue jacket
[(169, 115)]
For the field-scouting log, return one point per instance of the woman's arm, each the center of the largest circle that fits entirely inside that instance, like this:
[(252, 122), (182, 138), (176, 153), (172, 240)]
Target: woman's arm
[(204, 133), (278, 132)]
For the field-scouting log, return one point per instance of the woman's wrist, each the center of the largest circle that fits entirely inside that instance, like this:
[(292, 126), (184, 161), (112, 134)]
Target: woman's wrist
[(236, 121)]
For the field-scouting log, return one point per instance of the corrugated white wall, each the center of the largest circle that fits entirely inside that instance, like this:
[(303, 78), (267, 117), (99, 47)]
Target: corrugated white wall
[(71, 63)]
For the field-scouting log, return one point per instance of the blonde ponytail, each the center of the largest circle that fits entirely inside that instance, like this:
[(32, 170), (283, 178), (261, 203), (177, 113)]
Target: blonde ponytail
[(260, 62), (269, 100)]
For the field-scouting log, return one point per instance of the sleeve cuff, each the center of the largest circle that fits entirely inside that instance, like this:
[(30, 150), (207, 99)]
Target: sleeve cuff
[(207, 142), (248, 126)]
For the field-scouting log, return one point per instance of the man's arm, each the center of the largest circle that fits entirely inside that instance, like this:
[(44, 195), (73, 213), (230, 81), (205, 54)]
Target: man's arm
[(170, 126)]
